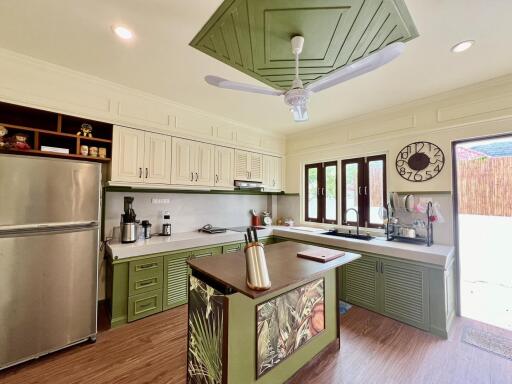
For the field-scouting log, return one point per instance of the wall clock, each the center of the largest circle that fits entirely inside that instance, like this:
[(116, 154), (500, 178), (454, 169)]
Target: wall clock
[(420, 161)]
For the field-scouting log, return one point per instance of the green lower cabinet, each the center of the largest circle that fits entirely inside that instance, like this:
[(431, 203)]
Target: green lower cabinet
[(145, 304), (405, 293), (176, 273), (396, 289), (360, 282)]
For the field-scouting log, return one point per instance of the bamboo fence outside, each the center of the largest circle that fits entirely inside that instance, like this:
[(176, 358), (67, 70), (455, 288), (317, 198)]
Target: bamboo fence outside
[(485, 186)]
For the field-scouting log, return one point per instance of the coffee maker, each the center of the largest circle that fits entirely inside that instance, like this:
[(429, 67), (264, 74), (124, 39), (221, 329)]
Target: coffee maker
[(128, 222)]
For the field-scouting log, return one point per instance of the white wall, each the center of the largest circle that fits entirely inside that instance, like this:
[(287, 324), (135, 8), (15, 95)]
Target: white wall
[(475, 111), (38, 84), (189, 211)]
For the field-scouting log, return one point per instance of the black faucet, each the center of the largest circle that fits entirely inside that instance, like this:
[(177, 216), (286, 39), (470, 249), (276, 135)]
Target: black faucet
[(357, 215)]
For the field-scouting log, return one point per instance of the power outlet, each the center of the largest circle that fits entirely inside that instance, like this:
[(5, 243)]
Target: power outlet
[(160, 201)]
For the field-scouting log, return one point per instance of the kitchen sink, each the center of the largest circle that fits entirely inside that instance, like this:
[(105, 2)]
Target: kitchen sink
[(348, 235)]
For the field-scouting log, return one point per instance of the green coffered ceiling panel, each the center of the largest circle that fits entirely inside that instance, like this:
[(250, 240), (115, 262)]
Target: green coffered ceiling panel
[(253, 36)]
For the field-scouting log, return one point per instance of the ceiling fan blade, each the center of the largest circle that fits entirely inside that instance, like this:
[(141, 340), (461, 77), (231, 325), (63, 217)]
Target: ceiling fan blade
[(360, 67), (300, 113), (223, 83)]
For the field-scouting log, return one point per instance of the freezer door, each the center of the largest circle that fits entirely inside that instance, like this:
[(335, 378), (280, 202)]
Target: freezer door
[(37, 190), (48, 291)]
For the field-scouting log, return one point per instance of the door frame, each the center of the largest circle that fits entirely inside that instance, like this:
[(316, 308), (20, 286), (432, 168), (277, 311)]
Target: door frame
[(455, 200)]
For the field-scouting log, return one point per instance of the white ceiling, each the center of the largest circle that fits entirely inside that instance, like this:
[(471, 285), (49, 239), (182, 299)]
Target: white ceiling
[(77, 34)]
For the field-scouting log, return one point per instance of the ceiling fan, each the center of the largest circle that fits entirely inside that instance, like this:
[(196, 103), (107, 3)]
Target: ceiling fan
[(297, 96)]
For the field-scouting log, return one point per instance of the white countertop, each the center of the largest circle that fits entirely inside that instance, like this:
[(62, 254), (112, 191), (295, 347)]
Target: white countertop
[(176, 242), (439, 255), (436, 254)]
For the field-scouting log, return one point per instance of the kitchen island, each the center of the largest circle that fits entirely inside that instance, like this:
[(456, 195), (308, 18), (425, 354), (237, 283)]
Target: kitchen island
[(240, 335)]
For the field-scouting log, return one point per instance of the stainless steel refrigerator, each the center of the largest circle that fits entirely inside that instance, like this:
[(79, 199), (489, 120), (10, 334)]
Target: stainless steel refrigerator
[(49, 231)]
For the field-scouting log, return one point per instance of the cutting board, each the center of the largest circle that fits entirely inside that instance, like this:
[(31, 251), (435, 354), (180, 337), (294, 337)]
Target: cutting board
[(321, 255)]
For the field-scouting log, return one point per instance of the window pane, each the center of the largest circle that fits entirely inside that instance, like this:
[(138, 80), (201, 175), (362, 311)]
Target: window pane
[(351, 196), (330, 192), (376, 180), (312, 193)]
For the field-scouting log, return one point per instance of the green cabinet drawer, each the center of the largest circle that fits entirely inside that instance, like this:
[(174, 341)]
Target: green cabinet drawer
[(176, 273), (360, 282), (145, 275), (145, 304), (405, 293), (230, 248), (203, 252)]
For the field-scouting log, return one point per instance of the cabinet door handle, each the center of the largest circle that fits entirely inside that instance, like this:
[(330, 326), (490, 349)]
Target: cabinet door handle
[(381, 267), (197, 176), (248, 175), (147, 173), (377, 266), (146, 266), (191, 176), (366, 190), (274, 182), (145, 305), (216, 178), (359, 190), (140, 173)]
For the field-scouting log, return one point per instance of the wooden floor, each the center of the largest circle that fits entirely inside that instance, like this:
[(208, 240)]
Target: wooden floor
[(374, 349)]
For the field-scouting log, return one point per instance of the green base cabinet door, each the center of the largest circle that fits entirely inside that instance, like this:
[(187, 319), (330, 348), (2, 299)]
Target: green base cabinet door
[(405, 293), (360, 282), (176, 273)]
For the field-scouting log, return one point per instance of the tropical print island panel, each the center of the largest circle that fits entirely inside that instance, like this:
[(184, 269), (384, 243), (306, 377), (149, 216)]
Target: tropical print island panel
[(287, 322), (205, 336)]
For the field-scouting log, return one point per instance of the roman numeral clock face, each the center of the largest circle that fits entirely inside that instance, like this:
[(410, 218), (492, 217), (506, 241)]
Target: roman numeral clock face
[(420, 161)]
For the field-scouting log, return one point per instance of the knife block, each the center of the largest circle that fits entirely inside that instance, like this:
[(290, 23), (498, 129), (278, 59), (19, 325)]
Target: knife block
[(256, 267)]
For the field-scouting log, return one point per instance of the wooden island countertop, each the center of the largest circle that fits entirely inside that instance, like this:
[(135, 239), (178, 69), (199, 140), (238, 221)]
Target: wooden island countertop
[(284, 266)]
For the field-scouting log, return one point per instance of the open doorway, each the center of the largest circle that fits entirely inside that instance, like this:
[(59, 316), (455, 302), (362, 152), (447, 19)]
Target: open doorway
[(483, 210)]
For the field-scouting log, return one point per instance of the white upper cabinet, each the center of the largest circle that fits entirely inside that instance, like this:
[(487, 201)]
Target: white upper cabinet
[(157, 161), (224, 166), (248, 166), (204, 161), (272, 173), (127, 155), (140, 157), (182, 169), (193, 163)]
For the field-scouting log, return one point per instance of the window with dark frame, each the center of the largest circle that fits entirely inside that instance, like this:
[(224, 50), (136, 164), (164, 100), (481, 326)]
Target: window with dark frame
[(321, 192), (364, 189)]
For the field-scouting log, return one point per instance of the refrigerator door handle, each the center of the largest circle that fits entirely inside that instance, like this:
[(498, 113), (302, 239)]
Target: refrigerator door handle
[(74, 225)]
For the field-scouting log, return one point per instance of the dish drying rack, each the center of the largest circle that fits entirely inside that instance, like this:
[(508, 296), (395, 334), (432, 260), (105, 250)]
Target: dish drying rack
[(393, 229)]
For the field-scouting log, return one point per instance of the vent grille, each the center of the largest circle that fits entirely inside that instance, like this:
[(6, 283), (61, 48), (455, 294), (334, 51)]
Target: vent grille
[(177, 284), (361, 282), (403, 293)]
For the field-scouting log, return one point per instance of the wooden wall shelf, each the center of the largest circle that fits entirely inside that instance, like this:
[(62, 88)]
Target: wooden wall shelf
[(54, 130)]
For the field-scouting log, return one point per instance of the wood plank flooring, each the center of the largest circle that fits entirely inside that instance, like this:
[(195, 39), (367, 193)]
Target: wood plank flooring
[(374, 349)]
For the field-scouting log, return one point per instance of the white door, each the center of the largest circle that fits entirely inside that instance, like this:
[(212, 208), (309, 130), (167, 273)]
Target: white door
[(127, 155), (224, 167), (182, 168), (241, 165), (157, 158), (204, 164), (255, 166)]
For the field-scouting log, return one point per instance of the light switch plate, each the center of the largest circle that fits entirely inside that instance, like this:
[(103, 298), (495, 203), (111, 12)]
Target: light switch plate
[(160, 201)]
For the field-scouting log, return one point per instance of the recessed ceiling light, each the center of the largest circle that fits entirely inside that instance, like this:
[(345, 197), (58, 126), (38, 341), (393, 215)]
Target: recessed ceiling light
[(462, 46), (122, 32)]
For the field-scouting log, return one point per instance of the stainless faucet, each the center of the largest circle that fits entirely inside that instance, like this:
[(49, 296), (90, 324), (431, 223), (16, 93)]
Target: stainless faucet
[(357, 215)]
